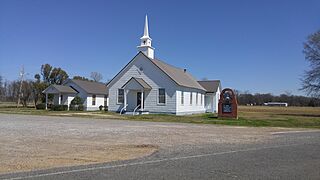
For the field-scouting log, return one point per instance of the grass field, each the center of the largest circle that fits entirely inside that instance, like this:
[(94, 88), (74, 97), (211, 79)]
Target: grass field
[(258, 116)]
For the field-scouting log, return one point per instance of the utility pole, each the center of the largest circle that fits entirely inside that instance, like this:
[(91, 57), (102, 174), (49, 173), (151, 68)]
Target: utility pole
[(20, 88)]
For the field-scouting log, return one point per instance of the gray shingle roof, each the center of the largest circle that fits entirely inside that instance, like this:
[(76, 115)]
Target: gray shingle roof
[(142, 83), (210, 85), (62, 89), (91, 87), (178, 75)]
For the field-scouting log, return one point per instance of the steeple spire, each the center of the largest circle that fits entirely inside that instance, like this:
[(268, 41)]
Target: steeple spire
[(145, 45), (146, 28)]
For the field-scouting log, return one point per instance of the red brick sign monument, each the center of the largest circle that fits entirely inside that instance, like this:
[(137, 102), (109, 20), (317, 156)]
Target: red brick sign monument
[(228, 106)]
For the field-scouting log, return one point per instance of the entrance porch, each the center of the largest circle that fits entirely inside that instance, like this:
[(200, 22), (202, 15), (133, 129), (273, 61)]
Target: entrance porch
[(136, 91), (62, 95)]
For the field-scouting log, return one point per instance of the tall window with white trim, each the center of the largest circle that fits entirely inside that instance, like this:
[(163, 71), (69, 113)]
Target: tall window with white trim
[(120, 96), (162, 96)]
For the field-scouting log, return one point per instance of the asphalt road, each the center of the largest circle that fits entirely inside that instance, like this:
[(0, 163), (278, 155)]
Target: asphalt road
[(289, 155)]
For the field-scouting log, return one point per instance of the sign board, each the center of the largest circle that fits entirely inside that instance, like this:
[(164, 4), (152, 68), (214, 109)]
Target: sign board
[(228, 106)]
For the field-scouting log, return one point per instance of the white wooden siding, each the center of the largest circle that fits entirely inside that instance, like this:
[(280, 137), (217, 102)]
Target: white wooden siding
[(87, 98), (151, 75), (188, 108), (99, 102)]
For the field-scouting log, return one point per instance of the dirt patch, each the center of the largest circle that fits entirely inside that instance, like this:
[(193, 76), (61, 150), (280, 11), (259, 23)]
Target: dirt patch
[(43, 156)]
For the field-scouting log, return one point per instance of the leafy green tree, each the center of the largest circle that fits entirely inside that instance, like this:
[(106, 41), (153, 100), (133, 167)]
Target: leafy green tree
[(37, 77), (81, 78), (46, 72), (57, 76), (52, 75), (37, 88), (311, 80)]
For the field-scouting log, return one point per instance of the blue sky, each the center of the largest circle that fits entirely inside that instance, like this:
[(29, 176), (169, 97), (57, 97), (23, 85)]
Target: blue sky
[(249, 45)]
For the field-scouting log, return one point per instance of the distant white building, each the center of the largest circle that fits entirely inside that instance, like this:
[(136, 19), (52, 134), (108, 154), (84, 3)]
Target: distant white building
[(275, 104), (93, 94), (149, 85)]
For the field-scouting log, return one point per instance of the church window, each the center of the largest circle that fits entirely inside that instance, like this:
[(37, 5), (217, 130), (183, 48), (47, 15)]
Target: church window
[(162, 96), (182, 97), (120, 96), (93, 100)]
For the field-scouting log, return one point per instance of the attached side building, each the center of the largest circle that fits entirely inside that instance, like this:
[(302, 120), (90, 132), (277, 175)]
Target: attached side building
[(213, 90), (93, 94)]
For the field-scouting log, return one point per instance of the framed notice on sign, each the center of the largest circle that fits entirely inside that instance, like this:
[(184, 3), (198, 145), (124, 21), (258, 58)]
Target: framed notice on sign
[(227, 108)]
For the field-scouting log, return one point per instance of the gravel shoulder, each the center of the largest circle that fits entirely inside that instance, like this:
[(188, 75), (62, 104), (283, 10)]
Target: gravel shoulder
[(41, 142)]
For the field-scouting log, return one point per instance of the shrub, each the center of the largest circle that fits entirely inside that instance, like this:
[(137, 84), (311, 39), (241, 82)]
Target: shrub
[(79, 107), (59, 107), (106, 108), (41, 106), (76, 101), (100, 107)]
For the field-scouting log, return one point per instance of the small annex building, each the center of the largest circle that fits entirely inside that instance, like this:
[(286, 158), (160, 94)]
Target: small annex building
[(211, 99), (150, 85), (93, 94)]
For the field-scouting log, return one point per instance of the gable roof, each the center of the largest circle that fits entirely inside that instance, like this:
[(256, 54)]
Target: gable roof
[(61, 89), (211, 86), (177, 75), (140, 81), (91, 87)]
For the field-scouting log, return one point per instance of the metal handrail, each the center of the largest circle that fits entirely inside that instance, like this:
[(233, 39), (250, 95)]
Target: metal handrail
[(124, 107), (135, 109)]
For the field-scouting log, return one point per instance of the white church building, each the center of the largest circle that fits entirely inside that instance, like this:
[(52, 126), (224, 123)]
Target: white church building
[(149, 85)]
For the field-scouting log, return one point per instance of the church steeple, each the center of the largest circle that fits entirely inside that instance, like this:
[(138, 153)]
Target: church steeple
[(146, 28), (145, 45)]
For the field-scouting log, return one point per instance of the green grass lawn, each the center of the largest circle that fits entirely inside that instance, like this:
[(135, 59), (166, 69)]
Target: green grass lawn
[(257, 116)]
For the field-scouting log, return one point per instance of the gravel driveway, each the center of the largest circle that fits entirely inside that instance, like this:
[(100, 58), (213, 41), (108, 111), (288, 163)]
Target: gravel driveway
[(39, 142)]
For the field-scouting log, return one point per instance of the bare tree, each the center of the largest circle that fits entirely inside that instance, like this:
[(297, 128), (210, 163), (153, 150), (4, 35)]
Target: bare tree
[(1, 89), (311, 80), (26, 92), (97, 77)]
